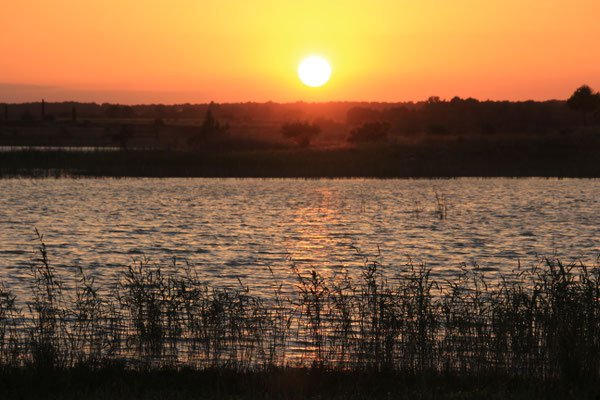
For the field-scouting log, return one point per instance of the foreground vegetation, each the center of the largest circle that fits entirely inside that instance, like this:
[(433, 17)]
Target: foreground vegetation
[(532, 333)]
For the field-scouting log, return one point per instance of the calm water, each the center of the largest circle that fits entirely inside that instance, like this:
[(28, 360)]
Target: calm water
[(229, 228)]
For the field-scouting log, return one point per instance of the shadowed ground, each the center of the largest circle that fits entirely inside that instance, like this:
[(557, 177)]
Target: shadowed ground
[(552, 156)]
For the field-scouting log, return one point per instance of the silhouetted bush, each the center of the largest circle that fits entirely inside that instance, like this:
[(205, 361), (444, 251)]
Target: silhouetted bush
[(300, 132), (370, 132)]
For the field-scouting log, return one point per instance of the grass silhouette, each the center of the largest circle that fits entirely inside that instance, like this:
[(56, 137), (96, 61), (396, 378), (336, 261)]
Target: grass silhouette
[(540, 326)]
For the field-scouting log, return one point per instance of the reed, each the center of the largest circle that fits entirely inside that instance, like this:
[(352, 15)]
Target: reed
[(540, 323), (441, 206), (9, 319)]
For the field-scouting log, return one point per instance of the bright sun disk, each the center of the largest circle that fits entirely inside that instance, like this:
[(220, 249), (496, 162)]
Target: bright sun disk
[(314, 71)]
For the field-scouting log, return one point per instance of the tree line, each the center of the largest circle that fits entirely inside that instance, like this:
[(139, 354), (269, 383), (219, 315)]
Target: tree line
[(364, 122), (461, 116), (471, 116)]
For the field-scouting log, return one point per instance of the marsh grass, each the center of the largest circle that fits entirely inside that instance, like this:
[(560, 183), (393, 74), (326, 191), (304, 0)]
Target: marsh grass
[(417, 208), (541, 323), (441, 204), (9, 320)]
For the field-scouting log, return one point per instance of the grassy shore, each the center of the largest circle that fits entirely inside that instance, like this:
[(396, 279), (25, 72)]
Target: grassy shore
[(535, 333), (544, 156)]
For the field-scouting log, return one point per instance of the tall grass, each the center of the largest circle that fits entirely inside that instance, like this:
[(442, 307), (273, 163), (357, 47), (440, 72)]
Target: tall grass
[(441, 205), (542, 322)]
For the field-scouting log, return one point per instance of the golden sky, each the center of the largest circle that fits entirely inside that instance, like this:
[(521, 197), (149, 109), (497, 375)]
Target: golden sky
[(175, 51)]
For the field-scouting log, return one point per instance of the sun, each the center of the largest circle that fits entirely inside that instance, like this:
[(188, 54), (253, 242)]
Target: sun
[(314, 71)]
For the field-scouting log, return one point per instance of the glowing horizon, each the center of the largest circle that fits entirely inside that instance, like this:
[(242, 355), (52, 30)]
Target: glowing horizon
[(235, 51)]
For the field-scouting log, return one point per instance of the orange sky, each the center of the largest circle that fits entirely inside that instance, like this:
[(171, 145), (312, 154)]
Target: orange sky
[(135, 51)]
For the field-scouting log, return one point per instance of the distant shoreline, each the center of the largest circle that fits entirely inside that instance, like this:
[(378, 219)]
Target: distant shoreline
[(559, 156)]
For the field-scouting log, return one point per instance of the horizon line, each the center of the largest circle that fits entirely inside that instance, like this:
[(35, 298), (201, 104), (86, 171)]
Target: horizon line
[(100, 103)]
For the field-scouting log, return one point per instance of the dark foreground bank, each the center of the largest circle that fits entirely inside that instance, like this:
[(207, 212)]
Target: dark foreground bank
[(543, 156), (117, 383)]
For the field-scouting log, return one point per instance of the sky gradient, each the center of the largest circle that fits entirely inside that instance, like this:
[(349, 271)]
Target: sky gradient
[(134, 51)]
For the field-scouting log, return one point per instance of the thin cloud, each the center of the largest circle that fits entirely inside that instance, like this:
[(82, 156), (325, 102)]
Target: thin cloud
[(18, 93)]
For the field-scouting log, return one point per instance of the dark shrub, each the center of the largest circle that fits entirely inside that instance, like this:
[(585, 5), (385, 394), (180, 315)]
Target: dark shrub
[(370, 132), (300, 132)]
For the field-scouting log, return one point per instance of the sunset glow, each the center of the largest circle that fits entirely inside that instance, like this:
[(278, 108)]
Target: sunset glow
[(196, 51)]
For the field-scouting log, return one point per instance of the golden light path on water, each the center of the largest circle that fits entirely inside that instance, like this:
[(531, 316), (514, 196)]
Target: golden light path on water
[(229, 229)]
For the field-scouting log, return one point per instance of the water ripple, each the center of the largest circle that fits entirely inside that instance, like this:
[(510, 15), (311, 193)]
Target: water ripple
[(227, 228)]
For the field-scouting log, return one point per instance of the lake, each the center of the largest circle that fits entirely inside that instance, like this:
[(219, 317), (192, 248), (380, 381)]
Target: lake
[(234, 228)]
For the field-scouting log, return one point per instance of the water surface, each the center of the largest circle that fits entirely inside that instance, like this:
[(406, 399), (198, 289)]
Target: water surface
[(230, 228)]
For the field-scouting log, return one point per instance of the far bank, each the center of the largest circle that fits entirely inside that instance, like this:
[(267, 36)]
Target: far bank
[(574, 155)]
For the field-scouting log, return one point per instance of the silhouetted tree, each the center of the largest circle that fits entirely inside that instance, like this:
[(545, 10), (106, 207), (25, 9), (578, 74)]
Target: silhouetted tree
[(370, 132), (209, 125), (300, 132), (6, 112), (209, 129), (44, 115), (584, 100), (74, 114)]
